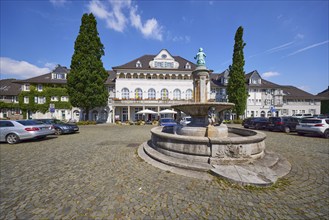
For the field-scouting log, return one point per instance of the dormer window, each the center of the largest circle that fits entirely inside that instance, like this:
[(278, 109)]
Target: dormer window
[(138, 64), (39, 87), (188, 65), (58, 76), (26, 87)]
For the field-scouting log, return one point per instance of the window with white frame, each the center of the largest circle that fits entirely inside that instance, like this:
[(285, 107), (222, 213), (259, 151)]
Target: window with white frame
[(125, 93), (39, 87), (138, 64), (188, 65), (164, 94), (138, 93), (27, 87), (40, 100), (177, 94), (188, 94), (151, 93), (54, 98), (64, 99), (138, 116), (26, 99)]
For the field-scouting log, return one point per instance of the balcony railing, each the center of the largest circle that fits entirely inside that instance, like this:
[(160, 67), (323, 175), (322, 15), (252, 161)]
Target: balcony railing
[(150, 101)]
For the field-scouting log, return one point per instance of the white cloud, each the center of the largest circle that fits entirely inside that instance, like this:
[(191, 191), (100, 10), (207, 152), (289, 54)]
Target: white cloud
[(114, 19), (270, 74), (150, 29), (58, 3), (21, 69), (185, 39), (123, 13)]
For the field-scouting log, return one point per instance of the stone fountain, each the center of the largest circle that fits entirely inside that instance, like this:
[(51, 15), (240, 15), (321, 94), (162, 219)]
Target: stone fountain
[(235, 154)]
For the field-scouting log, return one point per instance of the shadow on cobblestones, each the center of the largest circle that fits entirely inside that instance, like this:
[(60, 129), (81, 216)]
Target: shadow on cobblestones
[(96, 174)]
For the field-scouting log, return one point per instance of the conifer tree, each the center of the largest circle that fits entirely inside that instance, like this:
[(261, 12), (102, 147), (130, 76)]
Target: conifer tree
[(87, 76), (236, 88)]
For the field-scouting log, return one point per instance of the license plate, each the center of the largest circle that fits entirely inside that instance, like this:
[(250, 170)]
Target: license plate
[(306, 126)]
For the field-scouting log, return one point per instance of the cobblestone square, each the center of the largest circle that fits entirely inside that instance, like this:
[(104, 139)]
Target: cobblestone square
[(97, 174)]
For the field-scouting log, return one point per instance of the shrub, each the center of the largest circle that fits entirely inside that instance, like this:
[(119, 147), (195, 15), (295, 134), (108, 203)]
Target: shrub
[(227, 122), (86, 123), (140, 123), (237, 121)]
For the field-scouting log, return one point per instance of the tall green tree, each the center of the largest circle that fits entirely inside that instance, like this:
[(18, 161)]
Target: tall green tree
[(236, 88), (87, 76)]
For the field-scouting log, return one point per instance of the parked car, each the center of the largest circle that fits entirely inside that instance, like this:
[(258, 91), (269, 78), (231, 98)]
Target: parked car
[(60, 126), (303, 115), (13, 132), (319, 116), (319, 126), (256, 123), (286, 123), (167, 122), (186, 120)]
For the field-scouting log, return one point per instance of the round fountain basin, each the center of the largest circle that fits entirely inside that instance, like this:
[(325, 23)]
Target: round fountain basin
[(239, 146), (201, 109)]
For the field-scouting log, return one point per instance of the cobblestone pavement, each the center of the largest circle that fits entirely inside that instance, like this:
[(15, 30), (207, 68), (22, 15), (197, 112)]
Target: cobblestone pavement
[(97, 174)]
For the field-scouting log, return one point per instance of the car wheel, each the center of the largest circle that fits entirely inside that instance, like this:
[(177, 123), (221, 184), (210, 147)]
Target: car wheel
[(286, 129), (12, 139), (326, 133), (299, 133), (58, 131)]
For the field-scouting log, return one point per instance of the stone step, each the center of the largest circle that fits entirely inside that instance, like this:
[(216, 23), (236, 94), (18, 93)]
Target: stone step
[(181, 163), (246, 174), (184, 172), (269, 160), (282, 168)]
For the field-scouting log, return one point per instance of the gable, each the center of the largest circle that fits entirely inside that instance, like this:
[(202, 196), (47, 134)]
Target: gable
[(164, 60)]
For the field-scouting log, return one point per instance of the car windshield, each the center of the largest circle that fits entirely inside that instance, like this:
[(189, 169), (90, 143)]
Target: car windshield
[(313, 121), (30, 122)]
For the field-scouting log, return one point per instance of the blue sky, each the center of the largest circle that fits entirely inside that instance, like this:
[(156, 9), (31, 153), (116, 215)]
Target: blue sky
[(287, 41)]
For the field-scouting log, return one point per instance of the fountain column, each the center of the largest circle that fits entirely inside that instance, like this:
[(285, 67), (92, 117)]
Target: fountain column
[(200, 81)]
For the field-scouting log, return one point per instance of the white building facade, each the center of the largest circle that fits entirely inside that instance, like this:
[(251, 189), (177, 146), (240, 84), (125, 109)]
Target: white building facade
[(157, 82)]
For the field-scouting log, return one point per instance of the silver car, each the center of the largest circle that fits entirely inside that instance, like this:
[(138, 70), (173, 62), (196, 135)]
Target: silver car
[(13, 132), (319, 126)]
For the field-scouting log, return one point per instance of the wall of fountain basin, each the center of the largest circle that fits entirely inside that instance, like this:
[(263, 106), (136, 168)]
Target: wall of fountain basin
[(241, 146)]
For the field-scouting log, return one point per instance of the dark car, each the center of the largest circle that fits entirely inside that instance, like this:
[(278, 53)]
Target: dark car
[(60, 126), (285, 124), (256, 123), (168, 122)]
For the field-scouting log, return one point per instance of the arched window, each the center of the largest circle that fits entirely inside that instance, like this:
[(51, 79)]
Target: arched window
[(189, 94), (177, 94), (125, 93), (138, 64), (151, 94), (138, 93), (164, 94), (262, 114)]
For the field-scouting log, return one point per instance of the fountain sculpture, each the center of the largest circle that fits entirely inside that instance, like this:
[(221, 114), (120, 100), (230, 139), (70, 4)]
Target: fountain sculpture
[(232, 153)]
